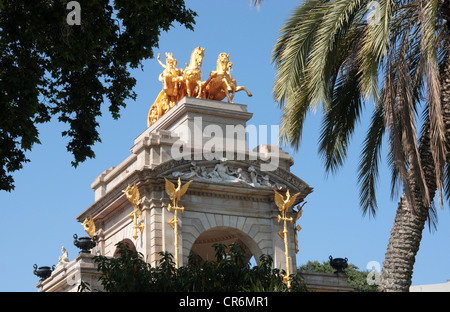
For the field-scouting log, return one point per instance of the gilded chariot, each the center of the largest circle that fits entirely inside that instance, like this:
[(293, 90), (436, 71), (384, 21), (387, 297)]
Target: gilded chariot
[(178, 83)]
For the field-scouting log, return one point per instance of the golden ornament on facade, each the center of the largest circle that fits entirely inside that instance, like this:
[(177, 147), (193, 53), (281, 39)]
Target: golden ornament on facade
[(133, 196), (297, 228), (89, 227), (175, 193), (178, 83), (283, 204)]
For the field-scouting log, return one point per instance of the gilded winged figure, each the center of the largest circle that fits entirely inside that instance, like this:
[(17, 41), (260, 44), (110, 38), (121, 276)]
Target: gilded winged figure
[(282, 203), (132, 194), (89, 226), (175, 193), (299, 212)]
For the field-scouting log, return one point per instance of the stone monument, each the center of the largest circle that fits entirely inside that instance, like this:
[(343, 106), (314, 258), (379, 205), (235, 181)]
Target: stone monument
[(195, 139)]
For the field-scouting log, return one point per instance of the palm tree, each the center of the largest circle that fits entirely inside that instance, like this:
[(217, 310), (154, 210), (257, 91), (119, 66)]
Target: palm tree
[(340, 56)]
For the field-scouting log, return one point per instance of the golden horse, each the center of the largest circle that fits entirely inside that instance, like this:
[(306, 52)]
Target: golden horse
[(192, 78), (220, 82)]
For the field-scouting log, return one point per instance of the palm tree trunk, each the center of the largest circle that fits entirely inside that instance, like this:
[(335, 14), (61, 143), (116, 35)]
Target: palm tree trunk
[(403, 246), (406, 232)]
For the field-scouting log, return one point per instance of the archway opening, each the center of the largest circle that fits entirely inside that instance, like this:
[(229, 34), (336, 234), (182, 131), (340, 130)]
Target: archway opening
[(128, 244), (203, 245)]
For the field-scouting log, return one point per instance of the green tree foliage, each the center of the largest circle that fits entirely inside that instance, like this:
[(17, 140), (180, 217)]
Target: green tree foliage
[(356, 278), (50, 68), (128, 272)]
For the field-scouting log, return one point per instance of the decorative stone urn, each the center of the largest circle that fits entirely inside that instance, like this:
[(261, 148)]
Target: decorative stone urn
[(339, 264), (43, 272), (84, 243)]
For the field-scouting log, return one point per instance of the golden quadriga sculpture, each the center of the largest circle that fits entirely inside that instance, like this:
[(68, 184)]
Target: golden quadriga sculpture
[(178, 83)]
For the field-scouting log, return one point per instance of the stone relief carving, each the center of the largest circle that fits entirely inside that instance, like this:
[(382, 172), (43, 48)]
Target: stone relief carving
[(222, 172)]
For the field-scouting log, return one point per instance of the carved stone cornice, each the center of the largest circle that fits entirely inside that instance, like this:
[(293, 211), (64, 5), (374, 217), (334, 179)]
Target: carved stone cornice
[(212, 185), (233, 172)]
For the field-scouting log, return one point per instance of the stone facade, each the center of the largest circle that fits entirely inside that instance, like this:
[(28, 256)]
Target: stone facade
[(67, 278), (230, 200), (441, 287), (231, 197), (326, 282)]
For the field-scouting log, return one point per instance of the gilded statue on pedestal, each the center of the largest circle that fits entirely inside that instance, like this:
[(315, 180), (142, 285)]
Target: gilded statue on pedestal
[(283, 204), (171, 78), (175, 193), (134, 197), (178, 83)]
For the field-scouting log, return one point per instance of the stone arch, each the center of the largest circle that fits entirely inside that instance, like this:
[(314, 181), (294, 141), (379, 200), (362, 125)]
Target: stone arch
[(203, 245), (129, 243), (256, 233)]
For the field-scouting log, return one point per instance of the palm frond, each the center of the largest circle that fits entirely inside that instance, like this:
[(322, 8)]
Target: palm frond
[(256, 3), (374, 47), (292, 56), (328, 54), (446, 179), (370, 157), (428, 17), (340, 120), (406, 106), (396, 157), (291, 51), (293, 117), (337, 16)]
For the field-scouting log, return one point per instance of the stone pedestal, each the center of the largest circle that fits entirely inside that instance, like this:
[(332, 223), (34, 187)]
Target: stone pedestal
[(326, 282), (67, 278)]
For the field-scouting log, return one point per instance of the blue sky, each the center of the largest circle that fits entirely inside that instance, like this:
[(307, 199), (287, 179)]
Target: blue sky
[(38, 217)]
